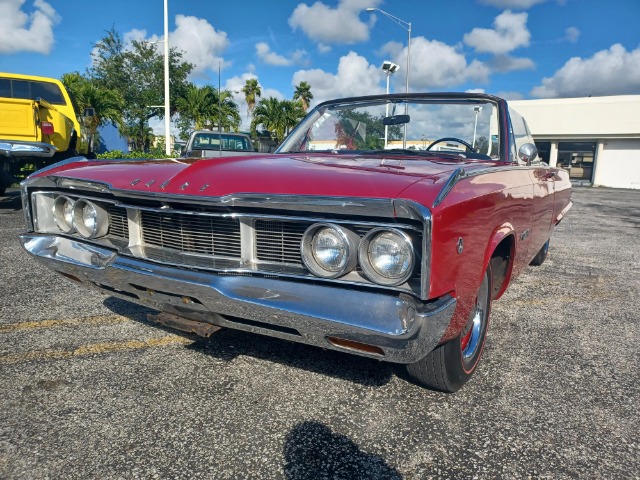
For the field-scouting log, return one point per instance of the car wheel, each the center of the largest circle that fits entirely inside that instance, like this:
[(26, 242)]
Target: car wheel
[(541, 256), (451, 364)]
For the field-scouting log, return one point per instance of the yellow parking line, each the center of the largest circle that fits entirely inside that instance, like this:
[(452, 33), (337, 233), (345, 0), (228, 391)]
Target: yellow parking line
[(94, 348), (13, 327)]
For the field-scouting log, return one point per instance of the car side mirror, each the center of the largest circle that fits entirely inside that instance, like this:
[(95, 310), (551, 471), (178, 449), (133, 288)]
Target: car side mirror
[(527, 153)]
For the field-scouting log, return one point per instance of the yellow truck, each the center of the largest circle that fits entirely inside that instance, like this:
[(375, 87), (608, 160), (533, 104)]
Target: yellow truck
[(38, 125)]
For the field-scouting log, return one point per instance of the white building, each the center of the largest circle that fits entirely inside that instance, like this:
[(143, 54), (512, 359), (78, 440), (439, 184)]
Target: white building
[(596, 138)]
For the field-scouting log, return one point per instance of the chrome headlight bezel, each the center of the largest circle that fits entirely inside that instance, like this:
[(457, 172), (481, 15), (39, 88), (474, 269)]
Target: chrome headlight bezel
[(366, 263), (60, 204), (99, 224), (349, 239)]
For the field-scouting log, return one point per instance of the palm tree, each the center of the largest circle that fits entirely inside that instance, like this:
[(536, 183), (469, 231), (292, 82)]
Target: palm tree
[(200, 108), (107, 104), (196, 106), (303, 94), (292, 113), (277, 116), (251, 92), (225, 111)]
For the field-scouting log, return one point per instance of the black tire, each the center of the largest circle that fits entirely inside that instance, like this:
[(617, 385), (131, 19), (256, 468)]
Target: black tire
[(451, 365), (541, 256)]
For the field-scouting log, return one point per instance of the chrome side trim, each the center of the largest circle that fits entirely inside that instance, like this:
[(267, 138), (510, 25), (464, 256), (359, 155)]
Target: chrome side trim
[(448, 186)]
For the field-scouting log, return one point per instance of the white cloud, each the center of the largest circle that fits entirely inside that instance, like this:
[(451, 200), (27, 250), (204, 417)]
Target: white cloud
[(201, 43), (435, 65), (507, 63), (355, 76), (22, 32), (615, 71), (196, 38), (328, 25), (572, 34), (516, 4), (322, 48), (271, 58), (510, 32)]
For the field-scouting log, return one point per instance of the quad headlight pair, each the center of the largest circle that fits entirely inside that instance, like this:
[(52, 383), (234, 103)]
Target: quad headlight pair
[(86, 218), (385, 255)]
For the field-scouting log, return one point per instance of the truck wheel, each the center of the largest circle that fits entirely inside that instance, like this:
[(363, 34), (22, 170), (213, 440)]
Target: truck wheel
[(541, 256), (451, 364)]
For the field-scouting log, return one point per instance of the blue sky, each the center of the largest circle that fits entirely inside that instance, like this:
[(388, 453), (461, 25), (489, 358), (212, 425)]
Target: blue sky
[(513, 48)]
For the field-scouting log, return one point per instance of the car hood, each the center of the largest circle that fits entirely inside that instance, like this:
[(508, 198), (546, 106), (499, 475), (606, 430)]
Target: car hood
[(321, 175)]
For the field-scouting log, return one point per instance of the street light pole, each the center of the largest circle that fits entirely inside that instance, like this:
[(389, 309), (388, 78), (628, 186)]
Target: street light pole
[(167, 106), (476, 109), (407, 27), (389, 68)]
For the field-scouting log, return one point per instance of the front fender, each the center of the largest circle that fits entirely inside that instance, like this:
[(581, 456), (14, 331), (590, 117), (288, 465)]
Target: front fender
[(498, 235)]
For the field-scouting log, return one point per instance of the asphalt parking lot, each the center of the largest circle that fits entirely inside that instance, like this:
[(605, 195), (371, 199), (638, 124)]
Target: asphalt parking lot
[(90, 389)]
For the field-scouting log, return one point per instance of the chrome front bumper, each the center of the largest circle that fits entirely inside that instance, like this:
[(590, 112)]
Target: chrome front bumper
[(403, 328), (14, 148)]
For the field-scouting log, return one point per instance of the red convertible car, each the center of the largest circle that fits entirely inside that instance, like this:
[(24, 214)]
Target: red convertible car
[(383, 226)]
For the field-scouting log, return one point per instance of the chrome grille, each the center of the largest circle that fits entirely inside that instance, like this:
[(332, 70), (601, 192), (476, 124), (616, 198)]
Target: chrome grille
[(206, 235), (118, 223), (278, 241)]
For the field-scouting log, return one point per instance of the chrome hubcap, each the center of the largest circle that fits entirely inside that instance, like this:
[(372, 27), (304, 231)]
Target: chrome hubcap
[(474, 334)]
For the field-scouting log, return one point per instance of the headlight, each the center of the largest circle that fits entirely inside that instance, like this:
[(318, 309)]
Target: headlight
[(63, 214), (329, 250), (386, 256), (89, 219)]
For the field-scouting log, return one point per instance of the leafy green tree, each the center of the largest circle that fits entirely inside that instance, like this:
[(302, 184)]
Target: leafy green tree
[(303, 94), (137, 72), (251, 92), (106, 103)]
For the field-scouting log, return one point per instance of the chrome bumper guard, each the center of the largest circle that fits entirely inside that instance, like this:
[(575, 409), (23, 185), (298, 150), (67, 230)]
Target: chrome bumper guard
[(26, 149), (402, 328)]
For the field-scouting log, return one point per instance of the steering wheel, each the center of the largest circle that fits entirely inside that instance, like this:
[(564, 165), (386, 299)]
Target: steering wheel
[(453, 139)]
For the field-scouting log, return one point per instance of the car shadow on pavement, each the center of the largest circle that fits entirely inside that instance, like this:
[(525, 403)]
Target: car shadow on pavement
[(227, 344), (10, 202), (312, 451)]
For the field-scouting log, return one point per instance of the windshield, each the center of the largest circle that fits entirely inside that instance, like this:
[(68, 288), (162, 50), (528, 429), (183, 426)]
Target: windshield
[(457, 126)]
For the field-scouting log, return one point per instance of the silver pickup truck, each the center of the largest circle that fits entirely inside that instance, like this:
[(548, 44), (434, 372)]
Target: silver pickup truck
[(206, 143)]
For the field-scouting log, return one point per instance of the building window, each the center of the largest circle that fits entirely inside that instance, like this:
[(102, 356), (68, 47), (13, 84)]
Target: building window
[(577, 157)]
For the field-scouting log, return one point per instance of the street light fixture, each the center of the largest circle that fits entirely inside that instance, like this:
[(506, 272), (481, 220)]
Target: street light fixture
[(389, 68), (407, 27)]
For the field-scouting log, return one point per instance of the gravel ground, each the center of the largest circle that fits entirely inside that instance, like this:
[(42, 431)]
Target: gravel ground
[(91, 390)]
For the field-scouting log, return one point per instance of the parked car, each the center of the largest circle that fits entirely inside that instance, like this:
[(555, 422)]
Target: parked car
[(359, 234), (206, 143), (37, 122)]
